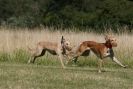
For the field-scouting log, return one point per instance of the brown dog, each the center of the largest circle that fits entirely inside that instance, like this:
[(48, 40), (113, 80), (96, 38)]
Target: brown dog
[(59, 49), (101, 50)]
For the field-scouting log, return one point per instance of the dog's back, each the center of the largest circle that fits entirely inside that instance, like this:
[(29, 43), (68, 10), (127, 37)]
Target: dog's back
[(91, 45), (97, 48), (48, 45)]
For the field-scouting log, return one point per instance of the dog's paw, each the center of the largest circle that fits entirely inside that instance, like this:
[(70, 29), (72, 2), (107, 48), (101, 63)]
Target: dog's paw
[(125, 66), (74, 65), (99, 71), (64, 67)]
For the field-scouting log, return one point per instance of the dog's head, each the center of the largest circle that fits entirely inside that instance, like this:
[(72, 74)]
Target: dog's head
[(66, 44), (111, 40)]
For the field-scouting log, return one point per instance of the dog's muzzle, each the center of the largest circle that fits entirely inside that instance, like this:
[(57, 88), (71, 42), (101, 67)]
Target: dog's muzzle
[(114, 44)]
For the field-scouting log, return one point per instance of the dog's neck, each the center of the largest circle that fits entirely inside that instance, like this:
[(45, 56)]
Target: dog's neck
[(64, 49), (108, 44)]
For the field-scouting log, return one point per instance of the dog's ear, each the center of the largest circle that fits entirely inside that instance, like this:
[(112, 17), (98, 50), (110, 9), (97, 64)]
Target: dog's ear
[(62, 44), (107, 37), (62, 40)]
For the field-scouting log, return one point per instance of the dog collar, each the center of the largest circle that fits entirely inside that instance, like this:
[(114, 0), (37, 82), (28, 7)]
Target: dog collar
[(108, 45)]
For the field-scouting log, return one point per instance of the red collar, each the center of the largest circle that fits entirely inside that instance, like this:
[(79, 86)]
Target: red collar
[(108, 45)]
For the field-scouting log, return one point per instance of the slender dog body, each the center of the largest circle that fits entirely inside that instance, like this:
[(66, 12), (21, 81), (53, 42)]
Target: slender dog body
[(59, 49), (101, 50)]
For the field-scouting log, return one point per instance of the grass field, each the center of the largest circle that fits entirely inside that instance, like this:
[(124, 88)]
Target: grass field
[(46, 73), (23, 76)]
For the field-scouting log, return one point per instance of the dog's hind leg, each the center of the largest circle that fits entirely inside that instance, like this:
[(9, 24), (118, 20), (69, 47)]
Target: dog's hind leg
[(100, 64), (38, 53), (85, 53)]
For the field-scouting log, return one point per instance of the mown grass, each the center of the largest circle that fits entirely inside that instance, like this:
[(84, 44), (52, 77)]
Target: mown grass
[(24, 76)]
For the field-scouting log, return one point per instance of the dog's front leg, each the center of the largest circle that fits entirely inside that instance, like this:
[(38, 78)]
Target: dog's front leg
[(66, 58), (61, 60), (115, 59), (118, 62)]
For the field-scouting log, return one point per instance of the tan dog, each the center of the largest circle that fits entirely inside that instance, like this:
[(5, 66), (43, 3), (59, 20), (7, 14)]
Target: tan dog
[(101, 50), (59, 49)]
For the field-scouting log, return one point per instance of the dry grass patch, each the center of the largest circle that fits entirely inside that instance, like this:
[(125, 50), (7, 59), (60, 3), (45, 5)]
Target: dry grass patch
[(16, 39)]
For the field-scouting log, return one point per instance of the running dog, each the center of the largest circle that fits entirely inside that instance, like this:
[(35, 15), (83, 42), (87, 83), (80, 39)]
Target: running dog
[(101, 50), (59, 49)]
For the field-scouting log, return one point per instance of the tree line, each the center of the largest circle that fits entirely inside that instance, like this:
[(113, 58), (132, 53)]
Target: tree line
[(67, 13)]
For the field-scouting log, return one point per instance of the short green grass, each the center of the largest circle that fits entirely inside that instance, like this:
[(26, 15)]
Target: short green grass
[(32, 76)]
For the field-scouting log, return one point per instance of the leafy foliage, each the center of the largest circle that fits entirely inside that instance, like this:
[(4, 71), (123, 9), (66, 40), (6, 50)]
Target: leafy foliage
[(67, 13)]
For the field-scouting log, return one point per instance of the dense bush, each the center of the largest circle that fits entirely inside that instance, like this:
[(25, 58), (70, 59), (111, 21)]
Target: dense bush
[(67, 13)]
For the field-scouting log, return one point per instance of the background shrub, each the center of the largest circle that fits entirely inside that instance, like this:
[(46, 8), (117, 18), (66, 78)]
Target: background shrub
[(98, 14)]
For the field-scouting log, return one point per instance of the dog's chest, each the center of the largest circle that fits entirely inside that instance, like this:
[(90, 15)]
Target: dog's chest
[(106, 51)]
